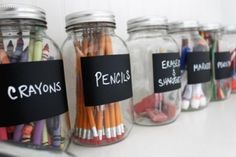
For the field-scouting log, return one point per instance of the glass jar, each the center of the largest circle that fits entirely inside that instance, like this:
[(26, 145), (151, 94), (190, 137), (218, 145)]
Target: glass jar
[(230, 37), (220, 58), (155, 69), (33, 96), (102, 77), (194, 63)]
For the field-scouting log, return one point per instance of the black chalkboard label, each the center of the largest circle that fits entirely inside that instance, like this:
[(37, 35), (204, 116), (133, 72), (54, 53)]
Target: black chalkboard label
[(106, 79), (198, 67), (222, 65), (31, 91), (166, 72)]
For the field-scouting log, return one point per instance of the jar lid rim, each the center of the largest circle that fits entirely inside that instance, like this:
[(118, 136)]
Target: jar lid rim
[(89, 16), (183, 25), (20, 11), (146, 22)]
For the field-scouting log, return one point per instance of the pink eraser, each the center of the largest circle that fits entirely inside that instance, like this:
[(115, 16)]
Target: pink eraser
[(156, 116), (147, 102)]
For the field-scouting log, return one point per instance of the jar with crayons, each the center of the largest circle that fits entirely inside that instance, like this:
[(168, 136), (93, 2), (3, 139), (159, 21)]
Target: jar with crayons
[(194, 64), (155, 65), (100, 77), (230, 37), (33, 98), (220, 49)]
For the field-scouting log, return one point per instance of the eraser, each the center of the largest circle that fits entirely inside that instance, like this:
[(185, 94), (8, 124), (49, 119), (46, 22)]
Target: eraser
[(147, 102), (156, 116)]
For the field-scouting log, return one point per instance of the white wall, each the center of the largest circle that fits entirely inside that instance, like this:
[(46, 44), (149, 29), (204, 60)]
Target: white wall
[(228, 12), (202, 10)]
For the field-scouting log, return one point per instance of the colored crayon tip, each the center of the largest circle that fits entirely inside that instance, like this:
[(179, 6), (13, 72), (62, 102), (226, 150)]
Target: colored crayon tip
[(46, 48), (20, 42), (10, 44)]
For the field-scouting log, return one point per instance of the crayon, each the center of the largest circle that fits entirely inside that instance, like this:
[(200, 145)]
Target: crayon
[(38, 132), (15, 57), (3, 134), (45, 141), (10, 131), (18, 133), (31, 47), (27, 133), (53, 125)]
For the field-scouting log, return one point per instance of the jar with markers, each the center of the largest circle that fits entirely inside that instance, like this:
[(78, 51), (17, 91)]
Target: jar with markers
[(33, 98), (220, 49), (100, 78), (155, 65), (194, 63)]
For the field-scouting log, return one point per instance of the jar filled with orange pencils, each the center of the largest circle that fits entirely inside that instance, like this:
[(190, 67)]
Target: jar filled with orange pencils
[(155, 64), (101, 76), (220, 49), (33, 97)]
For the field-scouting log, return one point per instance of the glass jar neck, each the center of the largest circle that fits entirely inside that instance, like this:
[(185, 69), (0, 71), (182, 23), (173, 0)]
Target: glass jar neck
[(11, 27), (191, 33), (147, 33), (90, 28)]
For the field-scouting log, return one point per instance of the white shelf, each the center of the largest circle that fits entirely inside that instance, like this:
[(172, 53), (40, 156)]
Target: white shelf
[(207, 133)]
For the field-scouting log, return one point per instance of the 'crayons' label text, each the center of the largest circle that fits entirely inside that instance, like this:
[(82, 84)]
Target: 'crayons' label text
[(25, 91)]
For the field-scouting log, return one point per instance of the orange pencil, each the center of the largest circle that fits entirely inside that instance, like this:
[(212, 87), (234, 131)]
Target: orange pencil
[(118, 120), (85, 44), (107, 124), (85, 127), (113, 121), (102, 44), (92, 122), (99, 121), (122, 126), (108, 47), (79, 91), (100, 109), (91, 45)]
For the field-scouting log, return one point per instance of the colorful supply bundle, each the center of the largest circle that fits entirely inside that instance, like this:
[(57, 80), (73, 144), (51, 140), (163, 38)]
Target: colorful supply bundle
[(103, 86), (230, 37), (155, 71), (34, 107), (195, 64), (220, 60)]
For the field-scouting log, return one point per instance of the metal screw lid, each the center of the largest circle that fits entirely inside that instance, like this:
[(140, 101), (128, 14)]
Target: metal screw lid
[(20, 11), (89, 16), (145, 22), (183, 25)]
